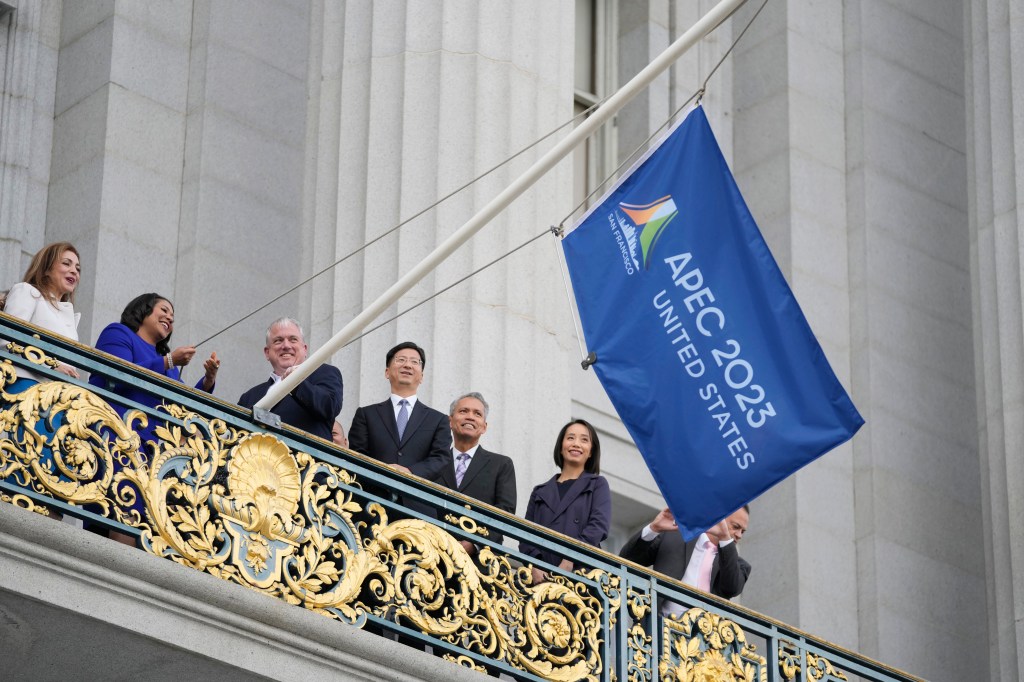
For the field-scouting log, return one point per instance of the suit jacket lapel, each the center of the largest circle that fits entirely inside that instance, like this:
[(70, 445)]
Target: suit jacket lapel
[(476, 465), (266, 387), (416, 417), (548, 493), (575, 490), (447, 475), (386, 412)]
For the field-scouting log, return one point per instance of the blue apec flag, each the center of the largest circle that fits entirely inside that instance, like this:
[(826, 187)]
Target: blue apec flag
[(700, 344)]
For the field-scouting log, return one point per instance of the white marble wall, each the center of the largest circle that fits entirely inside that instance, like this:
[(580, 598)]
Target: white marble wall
[(790, 162), (427, 96), (119, 138), (995, 153), (243, 238)]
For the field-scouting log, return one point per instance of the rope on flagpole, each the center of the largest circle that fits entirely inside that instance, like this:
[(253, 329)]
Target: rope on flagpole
[(403, 223), (591, 358), (447, 288), (698, 95), (557, 231)]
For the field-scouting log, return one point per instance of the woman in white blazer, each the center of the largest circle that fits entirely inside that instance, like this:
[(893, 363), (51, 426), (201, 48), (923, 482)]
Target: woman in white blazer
[(46, 299)]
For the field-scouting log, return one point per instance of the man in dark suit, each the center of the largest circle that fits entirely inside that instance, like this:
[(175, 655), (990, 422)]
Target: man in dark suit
[(660, 545), (402, 432), (314, 403), (472, 470)]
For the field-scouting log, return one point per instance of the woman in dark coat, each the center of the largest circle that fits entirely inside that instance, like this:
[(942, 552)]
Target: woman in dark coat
[(576, 501)]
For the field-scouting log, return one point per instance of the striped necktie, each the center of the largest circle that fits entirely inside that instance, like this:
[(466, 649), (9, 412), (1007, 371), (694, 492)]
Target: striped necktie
[(460, 468)]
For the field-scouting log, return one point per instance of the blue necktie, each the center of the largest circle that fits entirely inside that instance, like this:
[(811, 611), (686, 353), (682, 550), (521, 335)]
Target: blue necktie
[(403, 417)]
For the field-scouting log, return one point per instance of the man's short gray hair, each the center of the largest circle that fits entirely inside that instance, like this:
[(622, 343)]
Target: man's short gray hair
[(475, 396), (283, 320)]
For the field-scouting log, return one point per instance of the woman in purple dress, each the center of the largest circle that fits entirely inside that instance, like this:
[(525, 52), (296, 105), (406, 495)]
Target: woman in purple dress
[(142, 337)]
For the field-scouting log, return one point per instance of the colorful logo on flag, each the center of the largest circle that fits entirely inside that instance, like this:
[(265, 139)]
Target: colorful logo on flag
[(651, 219), (638, 227)]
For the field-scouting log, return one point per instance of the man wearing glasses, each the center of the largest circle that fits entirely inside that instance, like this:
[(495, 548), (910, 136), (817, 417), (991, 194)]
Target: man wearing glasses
[(402, 432)]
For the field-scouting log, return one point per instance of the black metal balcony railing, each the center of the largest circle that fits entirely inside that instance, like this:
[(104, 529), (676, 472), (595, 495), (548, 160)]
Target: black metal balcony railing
[(303, 521)]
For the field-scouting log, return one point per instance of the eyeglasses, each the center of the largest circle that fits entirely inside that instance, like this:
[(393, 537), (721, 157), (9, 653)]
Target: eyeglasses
[(402, 360)]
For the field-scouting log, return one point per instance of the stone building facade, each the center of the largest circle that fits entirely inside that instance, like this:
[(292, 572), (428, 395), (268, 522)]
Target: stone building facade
[(223, 151)]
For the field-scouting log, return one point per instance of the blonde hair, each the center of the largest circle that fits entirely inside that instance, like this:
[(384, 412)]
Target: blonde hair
[(37, 273)]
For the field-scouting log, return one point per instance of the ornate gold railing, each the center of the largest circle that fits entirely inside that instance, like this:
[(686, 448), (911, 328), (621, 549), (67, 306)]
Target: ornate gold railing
[(300, 520)]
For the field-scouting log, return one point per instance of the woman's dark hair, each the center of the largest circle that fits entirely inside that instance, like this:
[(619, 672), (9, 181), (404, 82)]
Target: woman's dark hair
[(593, 464), (402, 346), (139, 309)]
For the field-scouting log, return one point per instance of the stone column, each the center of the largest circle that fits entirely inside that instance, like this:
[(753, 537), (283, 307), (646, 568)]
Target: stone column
[(917, 481), (849, 149), (790, 163), (244, 236), (994, 35), (28, 65), (119, 131)]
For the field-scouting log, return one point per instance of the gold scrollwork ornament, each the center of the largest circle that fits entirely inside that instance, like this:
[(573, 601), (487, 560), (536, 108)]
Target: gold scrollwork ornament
[(467, 524), (704, 647), (640, 650), (819, 668), (62, 440), (247, 509)]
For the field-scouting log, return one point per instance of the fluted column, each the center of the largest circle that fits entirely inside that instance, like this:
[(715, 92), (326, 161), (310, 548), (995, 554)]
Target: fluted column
[(29, 38), (119, 131), (995, 127), (419, 98)]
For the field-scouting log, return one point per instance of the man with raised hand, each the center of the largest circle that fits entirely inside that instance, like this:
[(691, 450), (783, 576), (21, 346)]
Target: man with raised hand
[(711, 562)]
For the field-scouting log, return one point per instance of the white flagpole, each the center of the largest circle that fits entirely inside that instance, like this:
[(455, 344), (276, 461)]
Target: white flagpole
[(719, 13)]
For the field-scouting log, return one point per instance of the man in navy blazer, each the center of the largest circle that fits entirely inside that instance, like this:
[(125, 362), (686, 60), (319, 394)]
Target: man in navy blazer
[(486, 476), (402, 432), (660, 545), (314, 403)]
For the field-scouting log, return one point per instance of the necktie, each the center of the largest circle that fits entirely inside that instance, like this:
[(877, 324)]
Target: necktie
[(460, 468), (403, 417), (704, 577)]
